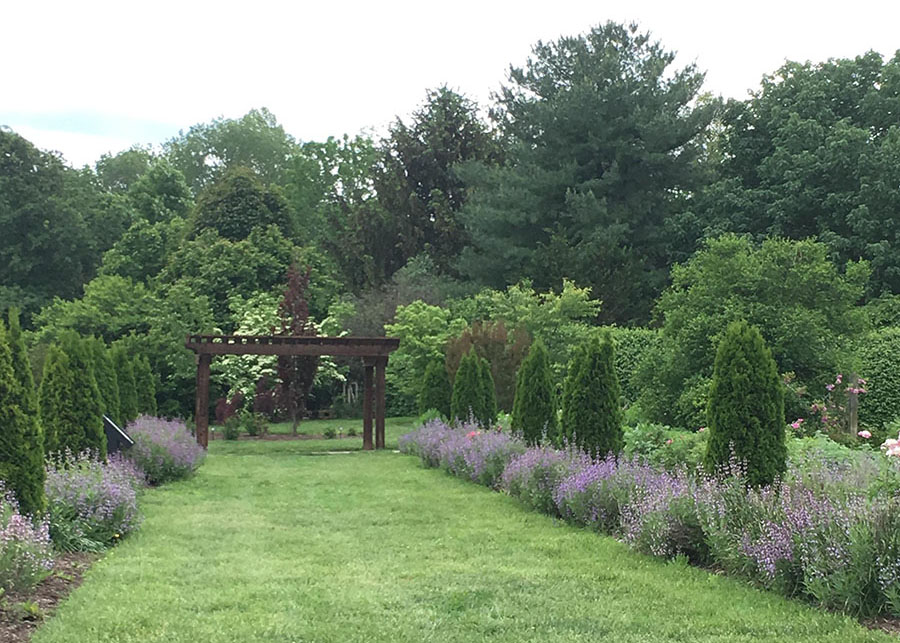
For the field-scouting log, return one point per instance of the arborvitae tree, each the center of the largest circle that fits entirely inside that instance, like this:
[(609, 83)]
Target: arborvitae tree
[(592, 415), (466, 398), (487, 414), (85, 400), (746, 408), (146, 386), (56, 412), (436, 391), (21, 449), (128, 398), (534, 410), (107, 380)]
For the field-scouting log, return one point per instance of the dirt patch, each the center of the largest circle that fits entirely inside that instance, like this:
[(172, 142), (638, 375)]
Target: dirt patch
[(279, 437), (21, 614), (884, 623)]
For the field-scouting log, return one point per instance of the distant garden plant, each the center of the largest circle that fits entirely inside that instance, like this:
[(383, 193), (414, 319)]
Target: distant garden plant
[(436, 389), (473, 392)]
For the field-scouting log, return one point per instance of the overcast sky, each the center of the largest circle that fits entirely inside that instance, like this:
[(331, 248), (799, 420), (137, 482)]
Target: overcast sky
[(89, 77)]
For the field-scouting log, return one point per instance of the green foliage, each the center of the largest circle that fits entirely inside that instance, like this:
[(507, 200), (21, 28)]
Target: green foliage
[(488, 413), (591, 403), (238, 203), (143, 251), (604, 137), (86, 431), (21, 444), (161, 194), (418, 184), (662, 446), (534, 411), (436, 390), (805, 309), (57, 414), (145, 383), (560, 320), (56, 224), (473, 392), (128, 395), (746, 408), (423, 331), (111, 307), (107, 378), (255, 141), (879, 357), (232, 428), (503, 350), (633, 345), (815, 152)]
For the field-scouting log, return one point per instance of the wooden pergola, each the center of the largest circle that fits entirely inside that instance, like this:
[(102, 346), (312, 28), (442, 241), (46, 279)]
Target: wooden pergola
[(374, 352)]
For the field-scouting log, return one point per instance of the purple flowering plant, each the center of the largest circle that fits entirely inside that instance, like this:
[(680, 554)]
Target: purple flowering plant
[(829, 531), (91, 504), (164, 449), (26, 553)]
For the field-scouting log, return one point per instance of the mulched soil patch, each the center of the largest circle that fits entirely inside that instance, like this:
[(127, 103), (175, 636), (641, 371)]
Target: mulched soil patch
[(883, 623), (18, 622)]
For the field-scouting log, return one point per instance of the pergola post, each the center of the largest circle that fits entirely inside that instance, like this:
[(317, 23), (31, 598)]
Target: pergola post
[(201, 408), (380, 366), (368, 403)]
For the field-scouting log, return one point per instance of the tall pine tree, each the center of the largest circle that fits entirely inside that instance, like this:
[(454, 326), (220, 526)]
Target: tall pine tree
[(534, 410), (21, 446), (746, 408)]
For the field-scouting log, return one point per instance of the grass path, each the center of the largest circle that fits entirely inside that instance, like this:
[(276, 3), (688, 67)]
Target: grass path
[(269, 545)]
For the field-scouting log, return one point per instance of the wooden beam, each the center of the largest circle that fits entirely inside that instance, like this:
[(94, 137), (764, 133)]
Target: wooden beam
[(201, 407), (368, 399), (283, 345), (380, 366)]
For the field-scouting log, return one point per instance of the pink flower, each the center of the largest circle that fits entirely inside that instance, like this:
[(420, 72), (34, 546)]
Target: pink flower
[(795, 425), (864, 434), (840, 378), (701, 429), (829, 387), (669, 441), (472, 434)]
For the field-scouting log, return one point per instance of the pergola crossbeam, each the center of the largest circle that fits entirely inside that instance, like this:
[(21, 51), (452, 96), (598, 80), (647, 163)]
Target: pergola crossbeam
[(373, 350)]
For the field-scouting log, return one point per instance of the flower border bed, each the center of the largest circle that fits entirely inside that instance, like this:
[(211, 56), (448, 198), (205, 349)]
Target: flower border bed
[(828, 533)]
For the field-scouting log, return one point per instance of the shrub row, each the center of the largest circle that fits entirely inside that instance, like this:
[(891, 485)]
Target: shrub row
[(828, 532), (91, 502)]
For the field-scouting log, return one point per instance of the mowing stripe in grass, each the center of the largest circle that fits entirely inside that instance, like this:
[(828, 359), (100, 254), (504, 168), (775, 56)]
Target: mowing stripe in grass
[(370, 547)]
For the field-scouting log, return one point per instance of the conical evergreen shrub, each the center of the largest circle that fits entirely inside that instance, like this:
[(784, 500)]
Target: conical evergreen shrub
[(487, 414), (85, 400), (436, 390), (745, 416), (57, 387), (107, 381), (128, 399), (146, 386), (592, 415), (467, 397), (534, 409), (21, 446)]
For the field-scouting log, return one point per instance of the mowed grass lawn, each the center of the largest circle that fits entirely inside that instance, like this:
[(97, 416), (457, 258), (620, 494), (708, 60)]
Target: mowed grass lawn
[(267, 543)]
